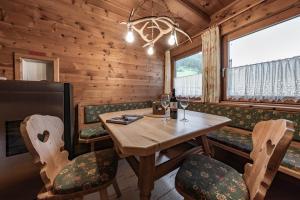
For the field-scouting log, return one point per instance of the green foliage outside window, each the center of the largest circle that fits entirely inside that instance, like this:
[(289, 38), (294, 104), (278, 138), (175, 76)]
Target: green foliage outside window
[(190, 65)]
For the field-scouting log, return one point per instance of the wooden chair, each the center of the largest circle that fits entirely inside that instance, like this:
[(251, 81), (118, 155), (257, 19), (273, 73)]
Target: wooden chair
[(65, 179), (202, 177)]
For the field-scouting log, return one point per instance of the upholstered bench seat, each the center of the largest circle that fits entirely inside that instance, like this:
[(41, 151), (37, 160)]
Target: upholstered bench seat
[(291, 159), (202, 177), (93, 132), (243, 142), (244, 117), (232, 138), (86, 171)]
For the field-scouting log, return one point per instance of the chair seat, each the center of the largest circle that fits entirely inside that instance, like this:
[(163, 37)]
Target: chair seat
[(201, 177), (243, 142), (93, 132), (86, 171)]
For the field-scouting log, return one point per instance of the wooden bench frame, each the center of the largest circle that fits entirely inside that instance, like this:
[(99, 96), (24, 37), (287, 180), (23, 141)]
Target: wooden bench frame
[(81, 125), (246, 155)]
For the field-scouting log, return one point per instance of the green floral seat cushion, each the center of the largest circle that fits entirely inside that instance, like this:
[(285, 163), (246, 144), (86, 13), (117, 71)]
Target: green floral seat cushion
[(204, 178), (244, 142), (92, 112), (86, 171), (292, 159), (244, 117), (233, 139), (92, 132)]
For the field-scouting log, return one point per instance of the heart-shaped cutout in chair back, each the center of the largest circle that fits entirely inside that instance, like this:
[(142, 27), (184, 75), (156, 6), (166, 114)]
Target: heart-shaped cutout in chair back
[(43, 137)]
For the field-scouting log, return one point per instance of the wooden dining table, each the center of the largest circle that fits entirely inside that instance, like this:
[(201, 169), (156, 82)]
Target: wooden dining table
[(154, 147)]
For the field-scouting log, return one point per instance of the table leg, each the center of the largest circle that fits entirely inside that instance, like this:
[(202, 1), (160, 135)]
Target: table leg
[(206, 146), (146, 176)]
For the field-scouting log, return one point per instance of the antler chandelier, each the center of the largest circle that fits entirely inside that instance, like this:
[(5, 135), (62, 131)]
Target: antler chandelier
[(159, 26)]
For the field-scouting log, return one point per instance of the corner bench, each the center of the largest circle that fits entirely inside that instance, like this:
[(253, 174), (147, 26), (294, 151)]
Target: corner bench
[(90, 128), (236, 137)]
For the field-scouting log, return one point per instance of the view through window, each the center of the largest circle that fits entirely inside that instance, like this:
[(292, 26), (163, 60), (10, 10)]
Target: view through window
[(266, 64), (188, 76)]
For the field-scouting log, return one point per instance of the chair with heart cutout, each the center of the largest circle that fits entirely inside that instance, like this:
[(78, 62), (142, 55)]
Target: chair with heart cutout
[(65, 179), (202, 177)]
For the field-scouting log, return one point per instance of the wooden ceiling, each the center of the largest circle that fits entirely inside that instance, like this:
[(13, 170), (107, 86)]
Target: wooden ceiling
[(192, 15)]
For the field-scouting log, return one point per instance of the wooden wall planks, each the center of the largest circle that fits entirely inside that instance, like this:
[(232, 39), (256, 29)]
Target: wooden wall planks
[(88, 39), (267, 9)]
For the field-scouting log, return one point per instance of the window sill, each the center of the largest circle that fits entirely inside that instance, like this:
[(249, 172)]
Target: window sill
[(271, 106), (191, 100)]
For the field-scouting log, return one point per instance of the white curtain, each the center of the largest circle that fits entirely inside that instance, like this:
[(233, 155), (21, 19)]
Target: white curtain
[(189, 86), (273, 80), (34, 70), (167, 88)]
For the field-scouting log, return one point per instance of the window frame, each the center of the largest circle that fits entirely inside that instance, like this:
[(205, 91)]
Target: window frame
[(18, 57), (182, 55), (244, 31)]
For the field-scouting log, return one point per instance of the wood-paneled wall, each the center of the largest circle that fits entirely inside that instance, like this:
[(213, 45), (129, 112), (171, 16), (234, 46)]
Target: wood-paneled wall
[(88, 40), (268, 9)]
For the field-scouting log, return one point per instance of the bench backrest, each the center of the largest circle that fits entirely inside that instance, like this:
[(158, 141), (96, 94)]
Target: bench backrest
[(246, 117), (89, 113)]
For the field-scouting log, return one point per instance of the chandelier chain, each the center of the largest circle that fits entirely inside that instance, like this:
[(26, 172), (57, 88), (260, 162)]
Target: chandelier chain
[(168, 10), (140, 5), (152, 20)]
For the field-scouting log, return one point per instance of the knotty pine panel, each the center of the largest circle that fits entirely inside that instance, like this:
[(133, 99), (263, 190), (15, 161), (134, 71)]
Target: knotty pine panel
[(88, 39), (267, 9)]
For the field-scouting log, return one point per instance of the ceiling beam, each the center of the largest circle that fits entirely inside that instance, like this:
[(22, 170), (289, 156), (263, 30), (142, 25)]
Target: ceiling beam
[(188, 12), (232, 10), (235, 8), (198, 10)]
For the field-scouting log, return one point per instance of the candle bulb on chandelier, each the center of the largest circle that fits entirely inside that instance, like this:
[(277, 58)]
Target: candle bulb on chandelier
[(150, 50), (129, 36), (171, 40)]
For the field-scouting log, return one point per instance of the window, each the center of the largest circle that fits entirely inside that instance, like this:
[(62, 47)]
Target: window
[(265, 65), (36, 68), (188, 76)]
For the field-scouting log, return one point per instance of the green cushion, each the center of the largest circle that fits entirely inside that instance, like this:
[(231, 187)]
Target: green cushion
[(202, 177), (292, 159), (92, 132), (86, 171), (92, 112), (245, 117), (231, 138), (244, 143)]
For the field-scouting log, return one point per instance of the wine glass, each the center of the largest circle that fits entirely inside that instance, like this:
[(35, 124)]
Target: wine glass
[(165, 101), (184, 103)]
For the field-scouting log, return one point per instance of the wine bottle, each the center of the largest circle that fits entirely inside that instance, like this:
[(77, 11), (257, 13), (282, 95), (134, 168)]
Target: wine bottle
[(173, 105)]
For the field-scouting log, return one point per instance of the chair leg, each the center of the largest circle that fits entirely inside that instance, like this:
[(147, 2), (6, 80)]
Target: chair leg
[(212, 151), (103, 194), (92, 146), (78, 198), (116, 187)]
